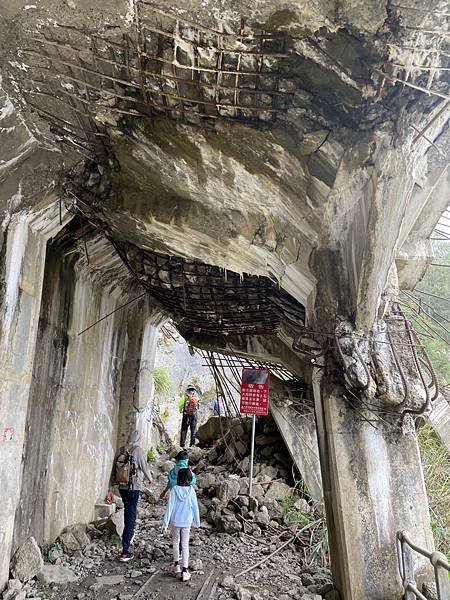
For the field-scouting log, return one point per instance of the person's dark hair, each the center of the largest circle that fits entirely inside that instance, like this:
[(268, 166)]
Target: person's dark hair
[(184, 477), (183, 455)]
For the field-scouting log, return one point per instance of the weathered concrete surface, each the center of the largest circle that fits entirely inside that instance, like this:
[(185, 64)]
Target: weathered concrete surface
[(368, 470), (299, 434), (77, 385), (323, 201), (439, 416), (23, 256)]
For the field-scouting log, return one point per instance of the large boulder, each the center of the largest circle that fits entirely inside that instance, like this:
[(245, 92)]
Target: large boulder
[(74, 537), (278, 491), (206, 480), (56, 574), (195, 454), (228, 523), (211, 431), (27, 560), (228, 489)]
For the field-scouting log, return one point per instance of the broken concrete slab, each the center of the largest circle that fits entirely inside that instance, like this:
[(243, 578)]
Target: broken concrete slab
[(56, 574)]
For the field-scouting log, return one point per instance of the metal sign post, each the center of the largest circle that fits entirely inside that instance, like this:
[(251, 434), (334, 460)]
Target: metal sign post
[(252, 453), (254, 401)]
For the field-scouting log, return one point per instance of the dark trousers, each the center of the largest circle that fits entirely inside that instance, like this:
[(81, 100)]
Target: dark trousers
[(188, 422), (130, 499)]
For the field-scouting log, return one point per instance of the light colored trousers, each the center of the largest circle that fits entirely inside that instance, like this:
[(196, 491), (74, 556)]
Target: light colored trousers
[(183, 533)]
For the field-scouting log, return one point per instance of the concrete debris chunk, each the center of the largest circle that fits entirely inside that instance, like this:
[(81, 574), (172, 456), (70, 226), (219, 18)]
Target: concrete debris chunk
[(27, 560), (56, 574)]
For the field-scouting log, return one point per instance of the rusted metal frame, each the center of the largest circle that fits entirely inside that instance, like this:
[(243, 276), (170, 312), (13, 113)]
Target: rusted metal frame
[(66, 123), (225, 383), (170, 35), (72, 98), (208, 69), (427, 314), (221, 104), (136, 86), (141, 51), (422, 10), (197, 26), (421, 301), (146, 54), (276, 92), (218, 73), (86, 70), (230, 88), (173, 78), (423, 321), (422, 50), (439, 151), (94, 87), (68, 135), (412, 85)]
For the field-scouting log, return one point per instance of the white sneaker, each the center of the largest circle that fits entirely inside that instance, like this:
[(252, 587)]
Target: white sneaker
[(185, 576), (176, 569)]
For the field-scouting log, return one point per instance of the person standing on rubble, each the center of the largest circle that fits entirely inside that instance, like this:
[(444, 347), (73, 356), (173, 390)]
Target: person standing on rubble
[(128, 472), (189, 405)]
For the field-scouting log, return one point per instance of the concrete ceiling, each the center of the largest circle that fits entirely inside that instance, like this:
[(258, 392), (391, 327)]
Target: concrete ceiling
[(242, 135)]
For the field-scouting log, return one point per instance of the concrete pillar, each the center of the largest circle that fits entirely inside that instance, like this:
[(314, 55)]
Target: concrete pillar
[(136, 396), (23, 258), (373, 487)]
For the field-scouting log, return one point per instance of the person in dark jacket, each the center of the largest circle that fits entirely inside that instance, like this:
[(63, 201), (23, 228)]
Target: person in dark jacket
[(130, 491)]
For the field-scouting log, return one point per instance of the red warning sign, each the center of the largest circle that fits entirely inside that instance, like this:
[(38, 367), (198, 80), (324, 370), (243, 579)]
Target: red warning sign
[(255, 391)]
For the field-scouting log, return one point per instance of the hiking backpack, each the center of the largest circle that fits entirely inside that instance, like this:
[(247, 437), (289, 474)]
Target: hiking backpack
[(191, 405), (125, 468)]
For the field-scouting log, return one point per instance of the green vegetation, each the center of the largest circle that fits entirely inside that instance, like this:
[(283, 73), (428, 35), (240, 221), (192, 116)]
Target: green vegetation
[(316, 550), (434, 313), (152, 455), (165, 415), (162, 379), (436, 468)]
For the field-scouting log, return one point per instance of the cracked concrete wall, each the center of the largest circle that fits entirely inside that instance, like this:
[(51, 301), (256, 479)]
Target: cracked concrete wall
[(22, 266), (60, 391), (79, 381)]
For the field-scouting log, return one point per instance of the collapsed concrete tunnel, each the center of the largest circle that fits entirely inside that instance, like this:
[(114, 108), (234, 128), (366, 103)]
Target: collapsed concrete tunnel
[(257, 175)]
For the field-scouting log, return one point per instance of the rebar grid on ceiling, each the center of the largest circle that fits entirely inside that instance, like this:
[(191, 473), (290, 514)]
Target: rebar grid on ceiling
[(164, 64), (422, 62), (209, 300)]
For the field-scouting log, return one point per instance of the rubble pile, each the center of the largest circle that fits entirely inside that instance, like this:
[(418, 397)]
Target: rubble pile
[(239, 533), (222, 477)]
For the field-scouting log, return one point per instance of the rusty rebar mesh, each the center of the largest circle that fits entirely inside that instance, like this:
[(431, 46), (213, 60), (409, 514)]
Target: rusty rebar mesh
[(227, 373), (206, 299), (80, 80)]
